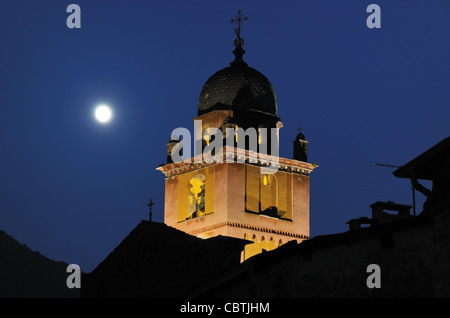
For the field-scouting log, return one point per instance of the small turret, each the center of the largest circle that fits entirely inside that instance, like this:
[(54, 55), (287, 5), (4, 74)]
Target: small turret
[(300, 147), (173, 141)]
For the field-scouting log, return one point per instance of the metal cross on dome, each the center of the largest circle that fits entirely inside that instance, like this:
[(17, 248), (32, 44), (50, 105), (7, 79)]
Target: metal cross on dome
[(237, 21)]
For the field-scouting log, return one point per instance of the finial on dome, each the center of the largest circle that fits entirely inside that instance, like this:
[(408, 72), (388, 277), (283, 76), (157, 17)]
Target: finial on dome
[(238, 42)]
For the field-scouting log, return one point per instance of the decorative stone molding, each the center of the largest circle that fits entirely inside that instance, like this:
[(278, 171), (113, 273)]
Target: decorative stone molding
[(238, 155), (247, 226)]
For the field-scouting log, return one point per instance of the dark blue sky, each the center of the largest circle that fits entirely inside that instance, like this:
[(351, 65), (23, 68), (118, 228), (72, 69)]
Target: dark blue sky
[(73, 189)]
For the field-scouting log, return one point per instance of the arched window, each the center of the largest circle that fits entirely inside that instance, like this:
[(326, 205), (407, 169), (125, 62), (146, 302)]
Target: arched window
[(268, 191), (196, 196)]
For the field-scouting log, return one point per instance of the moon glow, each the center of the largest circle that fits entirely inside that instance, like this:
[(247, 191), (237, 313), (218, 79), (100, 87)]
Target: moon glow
[(103, 113)]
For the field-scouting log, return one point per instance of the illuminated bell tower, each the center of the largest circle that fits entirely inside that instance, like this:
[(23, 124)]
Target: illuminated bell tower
[(237, 196)]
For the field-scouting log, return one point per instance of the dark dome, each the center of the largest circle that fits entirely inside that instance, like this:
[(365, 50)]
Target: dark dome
[(238, 87)]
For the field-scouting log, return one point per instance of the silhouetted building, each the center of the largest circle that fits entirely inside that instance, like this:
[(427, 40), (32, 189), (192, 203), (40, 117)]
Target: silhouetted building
[(382, 212), (434, 165), (156, 260), (335, 265)]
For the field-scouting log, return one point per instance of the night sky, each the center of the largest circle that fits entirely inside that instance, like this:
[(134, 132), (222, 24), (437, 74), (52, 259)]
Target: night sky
[(72, 188)]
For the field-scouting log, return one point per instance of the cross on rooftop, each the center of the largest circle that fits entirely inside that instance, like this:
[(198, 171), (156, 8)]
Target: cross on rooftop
[(150, 204)]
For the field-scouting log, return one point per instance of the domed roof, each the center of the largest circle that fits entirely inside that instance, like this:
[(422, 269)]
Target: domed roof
[(238, 87)]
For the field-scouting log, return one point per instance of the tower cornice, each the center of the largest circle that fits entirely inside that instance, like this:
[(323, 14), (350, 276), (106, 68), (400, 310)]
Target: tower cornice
[(237, 155)]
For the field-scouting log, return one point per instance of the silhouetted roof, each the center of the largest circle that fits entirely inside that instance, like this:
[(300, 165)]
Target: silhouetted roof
[(425, 165), (264, 262), (156, 260)]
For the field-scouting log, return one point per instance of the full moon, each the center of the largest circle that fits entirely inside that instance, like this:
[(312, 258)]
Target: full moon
[(103, 113)]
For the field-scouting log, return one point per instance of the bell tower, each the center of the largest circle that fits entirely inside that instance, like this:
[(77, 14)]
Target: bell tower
[(244, 189)]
